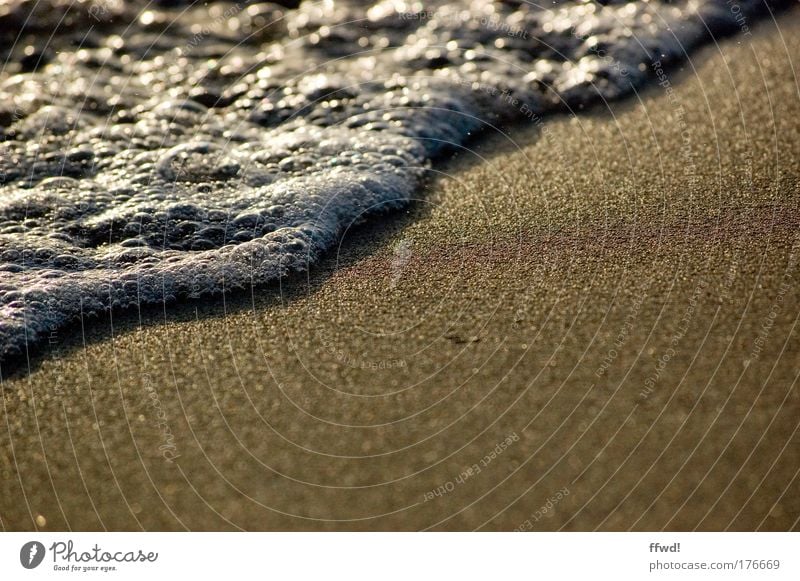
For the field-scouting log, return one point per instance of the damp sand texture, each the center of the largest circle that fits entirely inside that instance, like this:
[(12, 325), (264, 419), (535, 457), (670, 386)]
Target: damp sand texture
[(590, 324)]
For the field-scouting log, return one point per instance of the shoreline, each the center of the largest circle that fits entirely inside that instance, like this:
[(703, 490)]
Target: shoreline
[(537, 288)]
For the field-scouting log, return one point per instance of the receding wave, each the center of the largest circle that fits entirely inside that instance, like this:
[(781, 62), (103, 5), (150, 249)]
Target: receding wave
[(182, 150)]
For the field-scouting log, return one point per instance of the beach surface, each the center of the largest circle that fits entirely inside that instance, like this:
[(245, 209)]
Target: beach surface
[(588, 323)]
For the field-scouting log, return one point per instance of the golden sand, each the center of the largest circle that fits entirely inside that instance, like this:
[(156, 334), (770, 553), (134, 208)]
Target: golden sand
[(588, 324)]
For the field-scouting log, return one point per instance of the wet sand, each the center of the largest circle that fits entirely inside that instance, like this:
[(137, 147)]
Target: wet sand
[(587, 324)]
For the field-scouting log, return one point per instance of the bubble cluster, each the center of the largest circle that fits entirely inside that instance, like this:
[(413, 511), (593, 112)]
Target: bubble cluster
[(183, 150)]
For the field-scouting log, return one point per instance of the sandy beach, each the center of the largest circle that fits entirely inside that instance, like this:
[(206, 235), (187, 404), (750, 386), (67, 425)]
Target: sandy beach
[(583, 324)]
